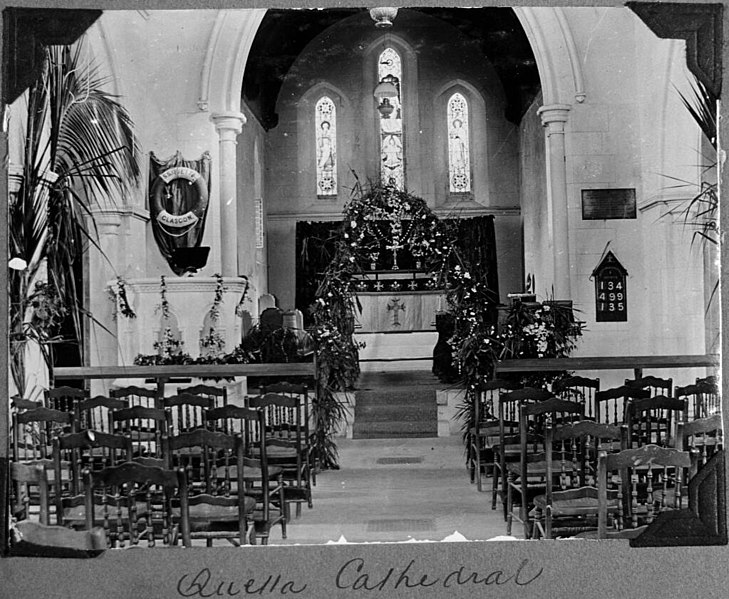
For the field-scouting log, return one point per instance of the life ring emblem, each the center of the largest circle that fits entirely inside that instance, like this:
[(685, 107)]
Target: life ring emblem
[(190, 217)]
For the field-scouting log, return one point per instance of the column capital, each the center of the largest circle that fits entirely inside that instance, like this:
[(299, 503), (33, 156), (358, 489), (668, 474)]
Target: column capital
[(554, 114), (228, 121)]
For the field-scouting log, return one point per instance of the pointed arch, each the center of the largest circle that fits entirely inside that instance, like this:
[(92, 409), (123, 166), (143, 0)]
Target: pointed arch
[(459, 146), (370, 121), (325, 132), (308, 128)]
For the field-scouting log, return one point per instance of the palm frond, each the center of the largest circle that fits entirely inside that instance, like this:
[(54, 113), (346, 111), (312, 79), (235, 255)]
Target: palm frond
[(702, 107), (79, 151)]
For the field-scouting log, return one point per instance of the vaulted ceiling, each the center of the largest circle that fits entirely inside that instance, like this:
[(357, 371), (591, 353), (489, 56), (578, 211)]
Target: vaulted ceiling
[(493, 33)]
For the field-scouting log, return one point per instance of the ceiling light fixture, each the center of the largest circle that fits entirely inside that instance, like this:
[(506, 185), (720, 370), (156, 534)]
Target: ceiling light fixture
[(383, 16)]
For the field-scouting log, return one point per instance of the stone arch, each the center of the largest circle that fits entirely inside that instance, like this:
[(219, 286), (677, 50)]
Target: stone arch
[(554, 49), (221, 79)]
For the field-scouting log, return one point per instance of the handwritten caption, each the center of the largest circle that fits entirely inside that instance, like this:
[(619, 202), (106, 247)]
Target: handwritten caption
[(356, 575)]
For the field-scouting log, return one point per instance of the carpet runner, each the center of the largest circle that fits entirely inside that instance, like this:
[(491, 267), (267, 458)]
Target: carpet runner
[(396, 404)]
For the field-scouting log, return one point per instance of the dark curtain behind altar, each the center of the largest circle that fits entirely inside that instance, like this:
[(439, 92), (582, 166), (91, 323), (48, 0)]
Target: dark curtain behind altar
[(315, 245), (182, 197), (474, 237)]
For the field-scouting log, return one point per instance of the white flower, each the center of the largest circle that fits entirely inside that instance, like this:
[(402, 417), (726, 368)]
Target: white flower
[(353, 224)]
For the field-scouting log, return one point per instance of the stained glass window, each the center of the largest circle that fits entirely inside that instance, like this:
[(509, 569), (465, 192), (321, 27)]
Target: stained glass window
[(459, 161), (326, 147), (392, 149)]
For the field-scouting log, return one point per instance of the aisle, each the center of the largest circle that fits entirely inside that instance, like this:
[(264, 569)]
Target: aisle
[(424, 495)]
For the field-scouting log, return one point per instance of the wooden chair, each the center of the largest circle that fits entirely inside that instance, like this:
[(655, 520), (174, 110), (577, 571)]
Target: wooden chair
[(301, 392), (527, 478), (19, 404), (702, 399), (652, 421), (136, 396), (579, 389), (63, 398), (95, 413), (508, 448), (285, 445), (219, 395), (34, 431), (569, 505), (654, 384), (611, 404), (484, 434), (185, 412), (72, 455), (30, 492), (134, 502), (639, 470), (214, 464), (33, 539), (145, 426), (703, 437), (263, 482)]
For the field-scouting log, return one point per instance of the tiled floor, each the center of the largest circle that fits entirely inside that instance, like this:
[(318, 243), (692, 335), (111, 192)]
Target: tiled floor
[(427, 496)]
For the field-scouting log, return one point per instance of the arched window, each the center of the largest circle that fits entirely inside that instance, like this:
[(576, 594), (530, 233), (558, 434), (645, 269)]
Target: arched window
[(392, 148), (459, 158), (326, 147)]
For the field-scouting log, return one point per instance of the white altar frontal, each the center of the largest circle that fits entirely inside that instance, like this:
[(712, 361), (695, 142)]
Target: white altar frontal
[(397, 321)]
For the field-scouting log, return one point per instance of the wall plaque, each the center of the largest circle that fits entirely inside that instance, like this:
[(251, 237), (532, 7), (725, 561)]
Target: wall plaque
[(604, 204), (611, 300)]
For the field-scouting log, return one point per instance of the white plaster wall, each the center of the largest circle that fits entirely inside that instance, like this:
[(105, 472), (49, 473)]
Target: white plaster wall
[(535, 210), (156, 58), (629, 133)]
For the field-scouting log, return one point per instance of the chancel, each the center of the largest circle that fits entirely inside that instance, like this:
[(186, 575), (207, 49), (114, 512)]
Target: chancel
[(297, 263)]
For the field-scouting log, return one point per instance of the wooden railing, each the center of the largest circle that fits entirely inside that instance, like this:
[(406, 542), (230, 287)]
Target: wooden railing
[(162, 374), (635, 363)]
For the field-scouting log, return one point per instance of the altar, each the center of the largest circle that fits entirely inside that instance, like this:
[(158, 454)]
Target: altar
[(397, 301)]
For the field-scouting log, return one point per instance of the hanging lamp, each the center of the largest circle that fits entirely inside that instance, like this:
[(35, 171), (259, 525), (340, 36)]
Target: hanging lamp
[(383, 16)]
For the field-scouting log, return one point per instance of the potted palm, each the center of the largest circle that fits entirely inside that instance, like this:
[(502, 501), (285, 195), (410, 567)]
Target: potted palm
[(78, 153)]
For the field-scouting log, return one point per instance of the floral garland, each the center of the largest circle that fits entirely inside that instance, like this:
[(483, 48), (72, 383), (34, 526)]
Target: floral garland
[(381, 213), (121, 300), (387, 214), (213, 342), (239, 306)]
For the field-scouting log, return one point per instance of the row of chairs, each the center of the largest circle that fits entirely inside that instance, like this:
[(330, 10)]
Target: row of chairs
[(580, 476), (189, 432), (611, 406), (498, 445)]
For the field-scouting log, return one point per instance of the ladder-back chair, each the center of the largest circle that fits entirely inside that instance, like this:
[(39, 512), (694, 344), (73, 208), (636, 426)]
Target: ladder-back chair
[(508, 448), (526, 478)]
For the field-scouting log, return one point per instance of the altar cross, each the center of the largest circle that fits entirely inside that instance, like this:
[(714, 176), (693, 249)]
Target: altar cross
[(395, 306), (395, 246)]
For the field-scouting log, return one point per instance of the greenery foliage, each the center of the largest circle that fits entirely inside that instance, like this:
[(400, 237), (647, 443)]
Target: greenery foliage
[(79, 151), (457, 262)]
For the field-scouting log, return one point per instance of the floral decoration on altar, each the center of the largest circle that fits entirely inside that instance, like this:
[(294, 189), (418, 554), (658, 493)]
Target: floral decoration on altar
[(394, 220)]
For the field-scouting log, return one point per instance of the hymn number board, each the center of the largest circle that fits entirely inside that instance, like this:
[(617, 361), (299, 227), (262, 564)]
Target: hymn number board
[(611, 298)]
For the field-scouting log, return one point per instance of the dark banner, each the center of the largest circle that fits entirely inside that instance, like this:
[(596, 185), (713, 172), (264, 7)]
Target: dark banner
[(178, 201)]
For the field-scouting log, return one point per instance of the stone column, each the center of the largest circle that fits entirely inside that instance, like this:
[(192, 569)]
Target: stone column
[(228, 125), (554, 116)]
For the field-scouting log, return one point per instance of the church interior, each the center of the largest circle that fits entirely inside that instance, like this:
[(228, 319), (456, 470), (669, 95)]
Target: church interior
[(279, 162)]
